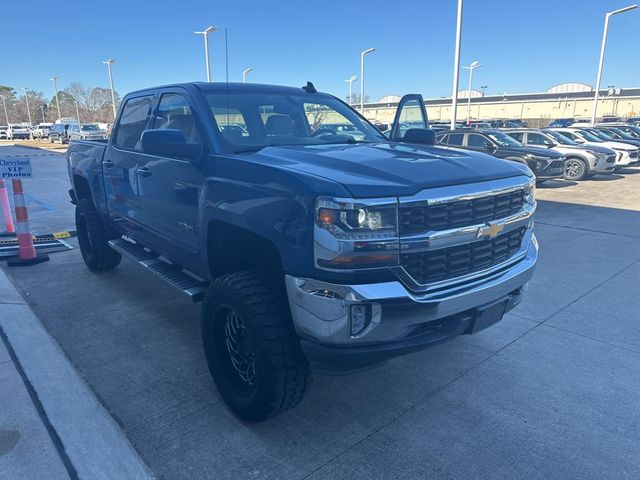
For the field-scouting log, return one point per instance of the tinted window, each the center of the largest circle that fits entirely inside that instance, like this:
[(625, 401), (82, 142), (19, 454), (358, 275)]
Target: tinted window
[(455, 139), (443, 139), (538, 139), (518, 136), (174, 113), (132, 122), (477, 141)]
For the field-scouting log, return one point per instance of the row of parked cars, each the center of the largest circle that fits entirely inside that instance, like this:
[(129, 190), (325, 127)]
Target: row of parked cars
[(55, 133), (574, 153)]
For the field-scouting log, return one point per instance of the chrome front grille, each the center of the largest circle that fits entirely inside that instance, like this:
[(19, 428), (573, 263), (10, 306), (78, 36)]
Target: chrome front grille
[(437, 265), (423, 216)]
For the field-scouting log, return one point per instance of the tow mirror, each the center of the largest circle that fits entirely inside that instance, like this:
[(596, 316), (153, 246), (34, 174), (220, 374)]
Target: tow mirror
[(169, 143), (424, 136)]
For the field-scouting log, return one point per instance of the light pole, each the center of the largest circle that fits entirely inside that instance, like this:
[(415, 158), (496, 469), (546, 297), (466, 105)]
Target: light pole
[(350, 81), (55, 89), (456, 67), (483, 87), (6, 114), (113, 93), (205, 33), (366, 52), (44, 120), (77, 111), (26, 99), (245, 73), (602, 49), (471, 68)]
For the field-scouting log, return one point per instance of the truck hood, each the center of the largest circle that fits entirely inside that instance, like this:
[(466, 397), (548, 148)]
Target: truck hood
[(382, 170)]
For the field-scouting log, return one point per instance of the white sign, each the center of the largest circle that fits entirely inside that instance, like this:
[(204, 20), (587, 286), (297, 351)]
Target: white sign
[(15, 167)]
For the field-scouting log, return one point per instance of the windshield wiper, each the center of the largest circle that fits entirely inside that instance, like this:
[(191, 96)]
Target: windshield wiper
[(350, 141)]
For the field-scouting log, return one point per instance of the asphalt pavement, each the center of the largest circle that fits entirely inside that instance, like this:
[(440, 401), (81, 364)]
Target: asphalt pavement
[(552, 391)]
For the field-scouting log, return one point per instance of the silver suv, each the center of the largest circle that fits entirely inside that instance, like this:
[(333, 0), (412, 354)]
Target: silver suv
[(581, 161)]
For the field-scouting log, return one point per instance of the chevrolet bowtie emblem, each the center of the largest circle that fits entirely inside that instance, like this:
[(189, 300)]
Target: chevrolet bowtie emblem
[(490, 230)]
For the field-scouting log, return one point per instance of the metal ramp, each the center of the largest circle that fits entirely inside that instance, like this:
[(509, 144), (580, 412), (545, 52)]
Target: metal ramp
[(185, 281)]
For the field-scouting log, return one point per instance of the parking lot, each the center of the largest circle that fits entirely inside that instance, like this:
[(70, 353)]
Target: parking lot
[(550, 392)]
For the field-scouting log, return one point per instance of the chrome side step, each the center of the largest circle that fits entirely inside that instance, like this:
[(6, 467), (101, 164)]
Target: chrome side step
[(185, 281)]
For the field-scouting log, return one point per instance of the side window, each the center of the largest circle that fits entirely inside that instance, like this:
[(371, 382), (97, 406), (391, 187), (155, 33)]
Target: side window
[(537, 139), (443, 139), (518, 136), (570, 135), (455, 139), (174, 113), (132, 122), (477, 141)]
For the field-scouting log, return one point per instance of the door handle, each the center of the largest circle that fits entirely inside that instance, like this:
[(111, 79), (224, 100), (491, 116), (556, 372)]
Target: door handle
[(107, 163), (143, 172)]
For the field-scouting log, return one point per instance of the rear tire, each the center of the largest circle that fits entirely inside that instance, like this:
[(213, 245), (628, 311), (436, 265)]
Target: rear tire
[(575, 169), (93, 238), (251, 347)]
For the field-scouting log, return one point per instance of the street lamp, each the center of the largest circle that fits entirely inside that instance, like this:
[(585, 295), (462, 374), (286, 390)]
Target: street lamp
[(456, 67), (602, 49), (471, 68), (350, 81), (245, 73), (26, 99), (6, 114), (366, 52), (55, 89), (483, 87), (113, 94), (205, 33)]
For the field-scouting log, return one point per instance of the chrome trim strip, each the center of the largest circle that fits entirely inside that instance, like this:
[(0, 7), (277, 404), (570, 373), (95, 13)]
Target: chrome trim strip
[(458, 193)]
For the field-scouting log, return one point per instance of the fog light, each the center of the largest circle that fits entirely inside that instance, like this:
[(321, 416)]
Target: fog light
[(360, 318)]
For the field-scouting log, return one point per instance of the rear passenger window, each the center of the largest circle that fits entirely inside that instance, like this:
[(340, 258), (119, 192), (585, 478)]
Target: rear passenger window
[(517, 136), (455, 139), (478, 141), (174, 113), (132, 122)]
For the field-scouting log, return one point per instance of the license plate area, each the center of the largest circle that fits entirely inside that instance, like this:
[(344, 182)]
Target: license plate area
[(488, 316)]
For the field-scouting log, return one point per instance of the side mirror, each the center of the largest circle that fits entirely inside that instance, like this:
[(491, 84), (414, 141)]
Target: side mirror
[(169, 143), (425, 136), (489, 147)]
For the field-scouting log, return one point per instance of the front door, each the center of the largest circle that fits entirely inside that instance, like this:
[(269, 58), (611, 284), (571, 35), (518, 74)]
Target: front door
[(120, 163), (411, 113), (170, 187)]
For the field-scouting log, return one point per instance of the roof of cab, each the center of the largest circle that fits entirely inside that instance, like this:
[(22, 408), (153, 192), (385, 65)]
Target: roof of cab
[(231, 87)]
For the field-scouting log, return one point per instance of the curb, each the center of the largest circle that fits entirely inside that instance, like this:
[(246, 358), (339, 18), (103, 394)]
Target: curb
[(91, 440)]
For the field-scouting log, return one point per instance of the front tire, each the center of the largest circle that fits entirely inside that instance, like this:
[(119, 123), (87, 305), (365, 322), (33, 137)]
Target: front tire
[(252, 350), (575, 169), (93, 238)]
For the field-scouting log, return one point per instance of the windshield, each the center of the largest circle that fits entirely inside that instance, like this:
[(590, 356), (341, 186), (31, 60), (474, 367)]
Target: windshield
[(89, 128), (589, 137), (621, 133), (504, 140), (561, 139), (252, 121), (601, 135)]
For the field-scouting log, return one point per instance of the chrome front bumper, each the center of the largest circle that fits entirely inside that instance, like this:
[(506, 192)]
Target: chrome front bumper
[(321, 311)]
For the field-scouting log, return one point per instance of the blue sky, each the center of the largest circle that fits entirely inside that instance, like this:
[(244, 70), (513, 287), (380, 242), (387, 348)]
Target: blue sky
[(523, 45)]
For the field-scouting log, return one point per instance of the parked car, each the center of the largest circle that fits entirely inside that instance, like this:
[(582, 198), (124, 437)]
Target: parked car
[(545, 164), (3, 131), (291, 236), (18, 131), (561, 122), (580, 162), (581, 122), (625, 154), (602, 134), (59, 133), (612, 133), (87, 131), (42, 130), (610, 119), (627, 128), (633, 120)]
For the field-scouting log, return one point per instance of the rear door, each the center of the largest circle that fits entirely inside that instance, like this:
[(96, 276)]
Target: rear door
[(120, 163), (411, 113), (170, 186)]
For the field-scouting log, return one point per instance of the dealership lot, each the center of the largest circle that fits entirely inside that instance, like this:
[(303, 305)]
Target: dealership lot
[(550, 392)]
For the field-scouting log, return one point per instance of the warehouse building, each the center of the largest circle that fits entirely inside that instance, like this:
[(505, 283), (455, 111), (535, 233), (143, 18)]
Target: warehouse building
[(560, 101)]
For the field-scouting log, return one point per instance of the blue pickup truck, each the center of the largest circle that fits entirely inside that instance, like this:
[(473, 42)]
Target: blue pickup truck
[(313, 249)]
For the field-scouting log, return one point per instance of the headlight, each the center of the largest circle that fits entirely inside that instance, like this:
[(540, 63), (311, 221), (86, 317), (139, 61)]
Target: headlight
[(530, 196), (351, 233)]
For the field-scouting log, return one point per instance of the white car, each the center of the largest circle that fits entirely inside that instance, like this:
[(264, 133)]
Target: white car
[(18, 130), (625, 154), (42, 130), (3, 131)]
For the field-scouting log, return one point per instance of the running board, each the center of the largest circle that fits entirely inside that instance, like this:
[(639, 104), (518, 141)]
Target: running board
[(185, 281)]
